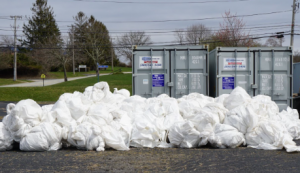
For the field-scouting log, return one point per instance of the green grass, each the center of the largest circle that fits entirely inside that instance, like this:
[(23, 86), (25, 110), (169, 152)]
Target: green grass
[(11, 81), (52, 93), (60, 75)]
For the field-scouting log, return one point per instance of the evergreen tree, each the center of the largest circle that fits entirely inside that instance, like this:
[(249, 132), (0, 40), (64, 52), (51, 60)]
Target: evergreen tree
[(92, 38), (41, 26)]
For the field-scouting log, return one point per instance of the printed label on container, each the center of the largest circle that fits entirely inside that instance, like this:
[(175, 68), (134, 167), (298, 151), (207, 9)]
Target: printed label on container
[(145, 81), (266, 82), (231, 64), (158, 80), (227, 83), (279, 62), (145, 62), (181, 81)]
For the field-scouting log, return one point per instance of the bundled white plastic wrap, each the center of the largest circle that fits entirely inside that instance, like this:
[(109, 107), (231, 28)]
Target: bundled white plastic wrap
[(226, 136), (242, 118), (150, 128), (44, 137), (184, 135), (86, 136), (191, 103), (6, 139), (236, 98), (271, 135), (22, 118), (99, 119)]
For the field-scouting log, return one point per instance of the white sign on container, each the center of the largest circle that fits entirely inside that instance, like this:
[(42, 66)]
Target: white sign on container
[(145, 81), (232, 64), (145, 62)]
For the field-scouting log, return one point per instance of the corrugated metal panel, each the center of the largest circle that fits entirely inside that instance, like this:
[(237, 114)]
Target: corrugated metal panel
[(175, 71), (259, 70), (296, 77)]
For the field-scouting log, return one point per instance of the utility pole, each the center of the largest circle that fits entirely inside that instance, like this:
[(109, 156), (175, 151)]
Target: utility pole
[(112, 55), (295, 9), (15, 45), (73, 50)]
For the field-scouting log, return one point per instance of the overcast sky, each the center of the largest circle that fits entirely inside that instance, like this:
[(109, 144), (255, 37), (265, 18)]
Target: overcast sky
[(138, 15)]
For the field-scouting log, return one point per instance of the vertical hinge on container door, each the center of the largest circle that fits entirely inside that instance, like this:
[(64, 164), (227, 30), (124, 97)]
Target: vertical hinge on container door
[(235, 78), (217, 67), (175, 73), (259, 70), (151, 72), (207, 71), (249, 75), (189, 73), (165, 69), (273, 75), (133, 74)]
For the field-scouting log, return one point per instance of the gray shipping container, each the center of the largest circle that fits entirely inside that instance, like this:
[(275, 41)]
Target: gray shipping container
[(296, 77), (175, 70), (259, 70)]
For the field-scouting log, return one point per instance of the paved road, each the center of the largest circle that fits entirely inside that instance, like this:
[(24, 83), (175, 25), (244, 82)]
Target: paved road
[(205, 159)]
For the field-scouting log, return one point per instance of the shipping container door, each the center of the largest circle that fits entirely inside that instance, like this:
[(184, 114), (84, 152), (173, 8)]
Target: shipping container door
[(274, 78), (189, 72), (296, 77), (150, 72), (234, 68)]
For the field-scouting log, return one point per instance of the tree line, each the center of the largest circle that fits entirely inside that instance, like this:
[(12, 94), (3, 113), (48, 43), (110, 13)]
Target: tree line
[(90, 42)]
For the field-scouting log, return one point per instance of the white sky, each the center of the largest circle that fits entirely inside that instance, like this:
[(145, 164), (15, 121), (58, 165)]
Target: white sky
[(118, 17)]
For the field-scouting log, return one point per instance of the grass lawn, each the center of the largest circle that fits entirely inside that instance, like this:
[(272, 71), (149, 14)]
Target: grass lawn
[(11, 81), (52, 93), (59, 75)]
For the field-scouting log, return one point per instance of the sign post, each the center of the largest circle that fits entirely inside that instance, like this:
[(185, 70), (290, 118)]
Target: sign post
[(43, 77)]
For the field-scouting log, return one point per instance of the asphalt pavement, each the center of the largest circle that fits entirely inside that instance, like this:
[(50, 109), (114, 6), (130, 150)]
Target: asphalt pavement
[(204, 159)]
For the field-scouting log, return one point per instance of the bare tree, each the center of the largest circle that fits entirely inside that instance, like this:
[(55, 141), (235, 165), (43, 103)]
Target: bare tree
[(7, 41), (60, 53), (274, 42), (126, 41), (296, 57), (41, 56), (5, 53), (196, 34), (180, 36), (232, 32), (55, 52)]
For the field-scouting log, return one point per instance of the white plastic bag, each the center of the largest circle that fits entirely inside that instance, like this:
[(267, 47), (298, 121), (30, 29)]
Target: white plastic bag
[(44, 137), (226, 136), (236, 98), (271, 135), (86, 137), (6, 139), (25, 115), (184, 135)]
